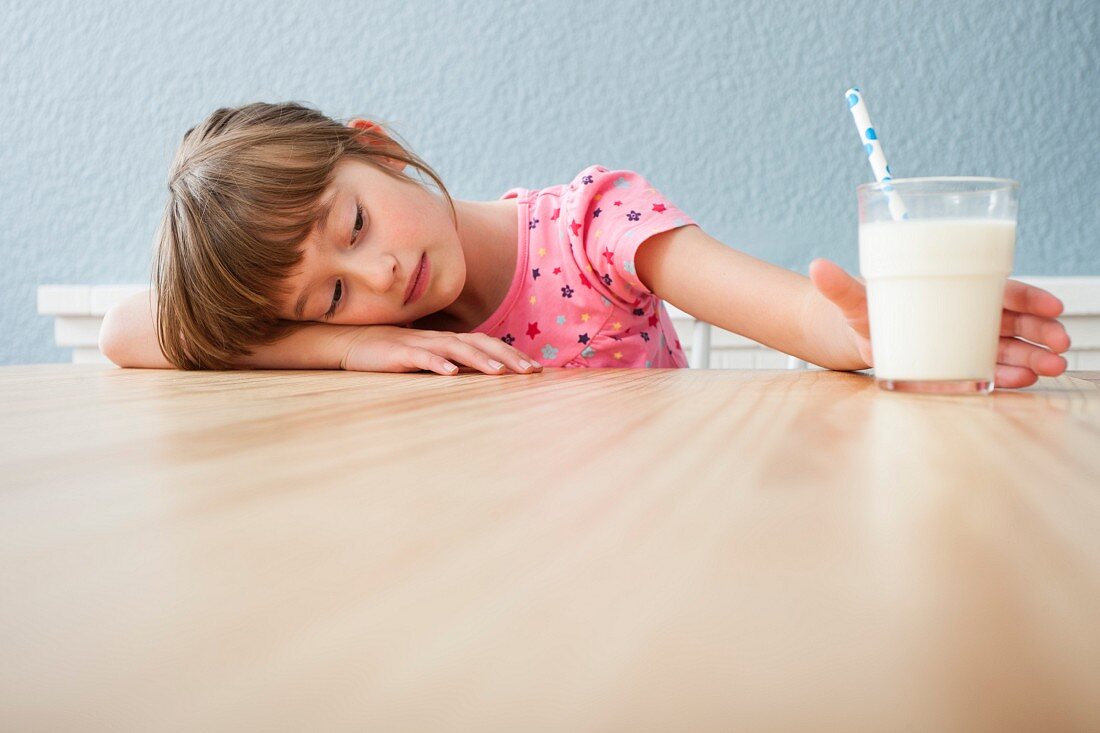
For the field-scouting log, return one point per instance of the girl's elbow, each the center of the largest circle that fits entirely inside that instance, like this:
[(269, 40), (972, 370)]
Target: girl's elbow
[(126, 347), (111, 342)]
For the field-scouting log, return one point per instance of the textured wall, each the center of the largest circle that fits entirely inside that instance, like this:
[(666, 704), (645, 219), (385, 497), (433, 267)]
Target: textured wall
[(734, 109)]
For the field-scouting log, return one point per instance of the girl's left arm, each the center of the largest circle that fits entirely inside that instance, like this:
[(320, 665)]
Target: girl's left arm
[(740, 293)]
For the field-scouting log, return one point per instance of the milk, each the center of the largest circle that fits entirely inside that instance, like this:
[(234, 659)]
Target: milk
[(935, 291)]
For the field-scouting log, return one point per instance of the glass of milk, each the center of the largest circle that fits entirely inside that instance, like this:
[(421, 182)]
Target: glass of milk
[(935, 279)]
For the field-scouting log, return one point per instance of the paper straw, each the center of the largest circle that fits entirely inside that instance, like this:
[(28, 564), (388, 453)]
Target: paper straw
[(873, 148)]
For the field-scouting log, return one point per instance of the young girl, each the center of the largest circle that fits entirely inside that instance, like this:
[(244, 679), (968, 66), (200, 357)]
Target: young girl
[(293, 241)]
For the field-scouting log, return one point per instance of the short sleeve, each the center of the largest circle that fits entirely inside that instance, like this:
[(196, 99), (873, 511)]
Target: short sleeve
[(608, 214)]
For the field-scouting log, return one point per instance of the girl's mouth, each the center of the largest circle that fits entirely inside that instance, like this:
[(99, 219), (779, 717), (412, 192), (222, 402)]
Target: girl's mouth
[(418, 283)]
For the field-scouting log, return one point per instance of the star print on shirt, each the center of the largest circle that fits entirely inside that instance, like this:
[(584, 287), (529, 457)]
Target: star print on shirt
[(630, 325)]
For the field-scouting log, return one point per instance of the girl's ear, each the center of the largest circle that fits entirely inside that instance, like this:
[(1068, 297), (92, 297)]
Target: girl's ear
[(367, 125), (360, 124)]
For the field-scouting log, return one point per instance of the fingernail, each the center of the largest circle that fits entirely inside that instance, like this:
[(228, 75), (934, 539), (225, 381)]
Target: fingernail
[(495, 364), (536, 365), (524, 365)]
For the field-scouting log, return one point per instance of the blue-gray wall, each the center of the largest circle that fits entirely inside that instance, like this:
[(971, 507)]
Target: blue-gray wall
[(734, 109)]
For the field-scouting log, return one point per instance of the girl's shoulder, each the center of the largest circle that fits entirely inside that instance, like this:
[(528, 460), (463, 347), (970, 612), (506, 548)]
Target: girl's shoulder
[(598, 178), (588, 176), (589, 181)]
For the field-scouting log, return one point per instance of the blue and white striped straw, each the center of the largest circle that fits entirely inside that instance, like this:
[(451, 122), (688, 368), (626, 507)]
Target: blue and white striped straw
[(873, 148)]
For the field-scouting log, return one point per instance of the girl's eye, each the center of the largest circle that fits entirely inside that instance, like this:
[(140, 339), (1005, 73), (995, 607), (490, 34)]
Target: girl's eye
[(335, 299), (339, 286), (358, 222)]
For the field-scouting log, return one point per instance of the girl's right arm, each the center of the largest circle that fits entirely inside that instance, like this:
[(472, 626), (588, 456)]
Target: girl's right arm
[(128, 337)]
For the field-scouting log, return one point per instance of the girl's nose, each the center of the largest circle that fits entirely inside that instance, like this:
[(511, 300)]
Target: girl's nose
[(380, 274)]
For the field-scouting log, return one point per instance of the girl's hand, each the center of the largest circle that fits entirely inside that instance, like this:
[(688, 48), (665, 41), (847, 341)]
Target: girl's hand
[(1029, 313), (398, 349)]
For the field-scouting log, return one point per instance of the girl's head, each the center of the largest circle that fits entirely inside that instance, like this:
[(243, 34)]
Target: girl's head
[(264, 203)]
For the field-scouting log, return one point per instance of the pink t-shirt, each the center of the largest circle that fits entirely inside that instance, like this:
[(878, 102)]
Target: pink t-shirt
[(575, 299)]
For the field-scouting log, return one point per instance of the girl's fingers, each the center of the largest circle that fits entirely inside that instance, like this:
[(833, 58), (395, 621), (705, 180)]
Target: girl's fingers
[(1045, 331), (414, 358), (514, 358), (847, 293), (477, 350), (492, 362), (1014, 377), (470, 356), (1014, 352), (501, 352), (1024, 298)]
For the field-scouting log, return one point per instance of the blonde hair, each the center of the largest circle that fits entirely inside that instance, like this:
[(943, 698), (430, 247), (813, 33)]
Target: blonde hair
[(245, 191)]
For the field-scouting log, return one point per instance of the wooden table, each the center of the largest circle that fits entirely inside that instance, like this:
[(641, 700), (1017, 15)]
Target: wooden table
[(581, 550)]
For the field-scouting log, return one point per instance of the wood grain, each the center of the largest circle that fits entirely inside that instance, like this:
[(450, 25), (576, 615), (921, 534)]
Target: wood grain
[(581, 550)]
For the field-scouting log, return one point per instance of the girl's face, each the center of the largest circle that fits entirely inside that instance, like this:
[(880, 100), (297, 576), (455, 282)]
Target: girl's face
[(360, 262)]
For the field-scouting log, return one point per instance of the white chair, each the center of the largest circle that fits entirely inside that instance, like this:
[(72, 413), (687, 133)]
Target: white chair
[(700, 349)]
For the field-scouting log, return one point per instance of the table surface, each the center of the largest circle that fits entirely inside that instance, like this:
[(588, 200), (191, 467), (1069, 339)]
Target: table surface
[(581, 550)]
